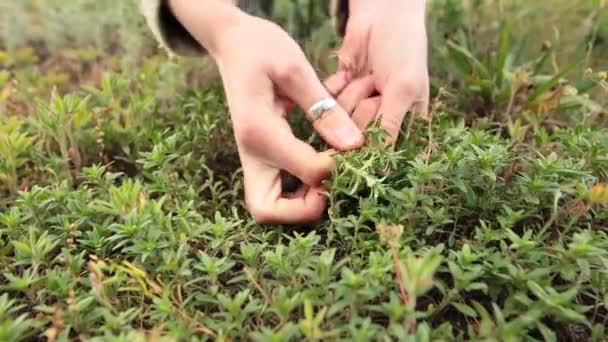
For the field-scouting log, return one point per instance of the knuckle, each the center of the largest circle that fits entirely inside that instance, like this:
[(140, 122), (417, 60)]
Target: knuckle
[(288, 72), (247, 133), (407, 87)]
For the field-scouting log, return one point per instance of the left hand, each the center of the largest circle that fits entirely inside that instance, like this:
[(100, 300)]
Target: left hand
[(387, 39)]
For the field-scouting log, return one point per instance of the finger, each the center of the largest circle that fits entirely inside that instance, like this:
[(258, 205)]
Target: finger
[(301, 84), (336, 83), (396, 102), (302, 161), (308, 206), (273, 142), (366, 112), (355, 92), (266, 202)]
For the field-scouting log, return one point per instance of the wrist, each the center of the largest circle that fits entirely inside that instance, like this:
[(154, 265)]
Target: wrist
[(207, 21)]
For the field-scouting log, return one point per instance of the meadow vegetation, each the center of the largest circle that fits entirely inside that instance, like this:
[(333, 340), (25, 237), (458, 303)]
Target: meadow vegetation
[(121, 200)]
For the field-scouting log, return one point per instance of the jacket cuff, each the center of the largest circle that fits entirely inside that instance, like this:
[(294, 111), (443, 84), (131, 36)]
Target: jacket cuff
[(173, 37), (339, 13), (170, 34)]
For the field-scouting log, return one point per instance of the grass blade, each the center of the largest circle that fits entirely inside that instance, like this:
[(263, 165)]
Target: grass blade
[(555, 79), (466, 62), (503, 53)]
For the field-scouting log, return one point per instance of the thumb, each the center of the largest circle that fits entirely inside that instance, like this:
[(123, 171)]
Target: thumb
[(299, 82)]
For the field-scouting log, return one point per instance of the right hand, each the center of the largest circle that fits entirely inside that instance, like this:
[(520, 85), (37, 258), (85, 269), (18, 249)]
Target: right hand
[(264, 72)]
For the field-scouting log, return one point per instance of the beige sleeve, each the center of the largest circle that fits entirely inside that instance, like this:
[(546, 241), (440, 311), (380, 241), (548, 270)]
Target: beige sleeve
[(176, 40), (169, 33), (339, 13)]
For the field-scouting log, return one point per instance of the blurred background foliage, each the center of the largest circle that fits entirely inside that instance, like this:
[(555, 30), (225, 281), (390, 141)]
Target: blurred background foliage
[(113, 33), (115, 27), (474, 45)]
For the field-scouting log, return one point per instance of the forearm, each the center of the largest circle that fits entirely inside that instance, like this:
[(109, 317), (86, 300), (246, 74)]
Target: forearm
[(207, 20)]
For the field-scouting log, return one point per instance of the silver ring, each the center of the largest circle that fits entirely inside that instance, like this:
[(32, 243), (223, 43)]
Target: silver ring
[(318, 109)]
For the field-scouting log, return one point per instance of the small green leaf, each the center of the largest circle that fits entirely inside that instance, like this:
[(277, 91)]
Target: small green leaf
[(465, 309), (547, 333)]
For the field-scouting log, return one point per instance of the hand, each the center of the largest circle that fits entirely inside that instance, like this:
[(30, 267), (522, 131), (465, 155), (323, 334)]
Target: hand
[(264, 71), (387, 39)]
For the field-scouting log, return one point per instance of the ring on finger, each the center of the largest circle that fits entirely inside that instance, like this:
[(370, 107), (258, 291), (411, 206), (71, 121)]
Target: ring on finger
[(319, 109)]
